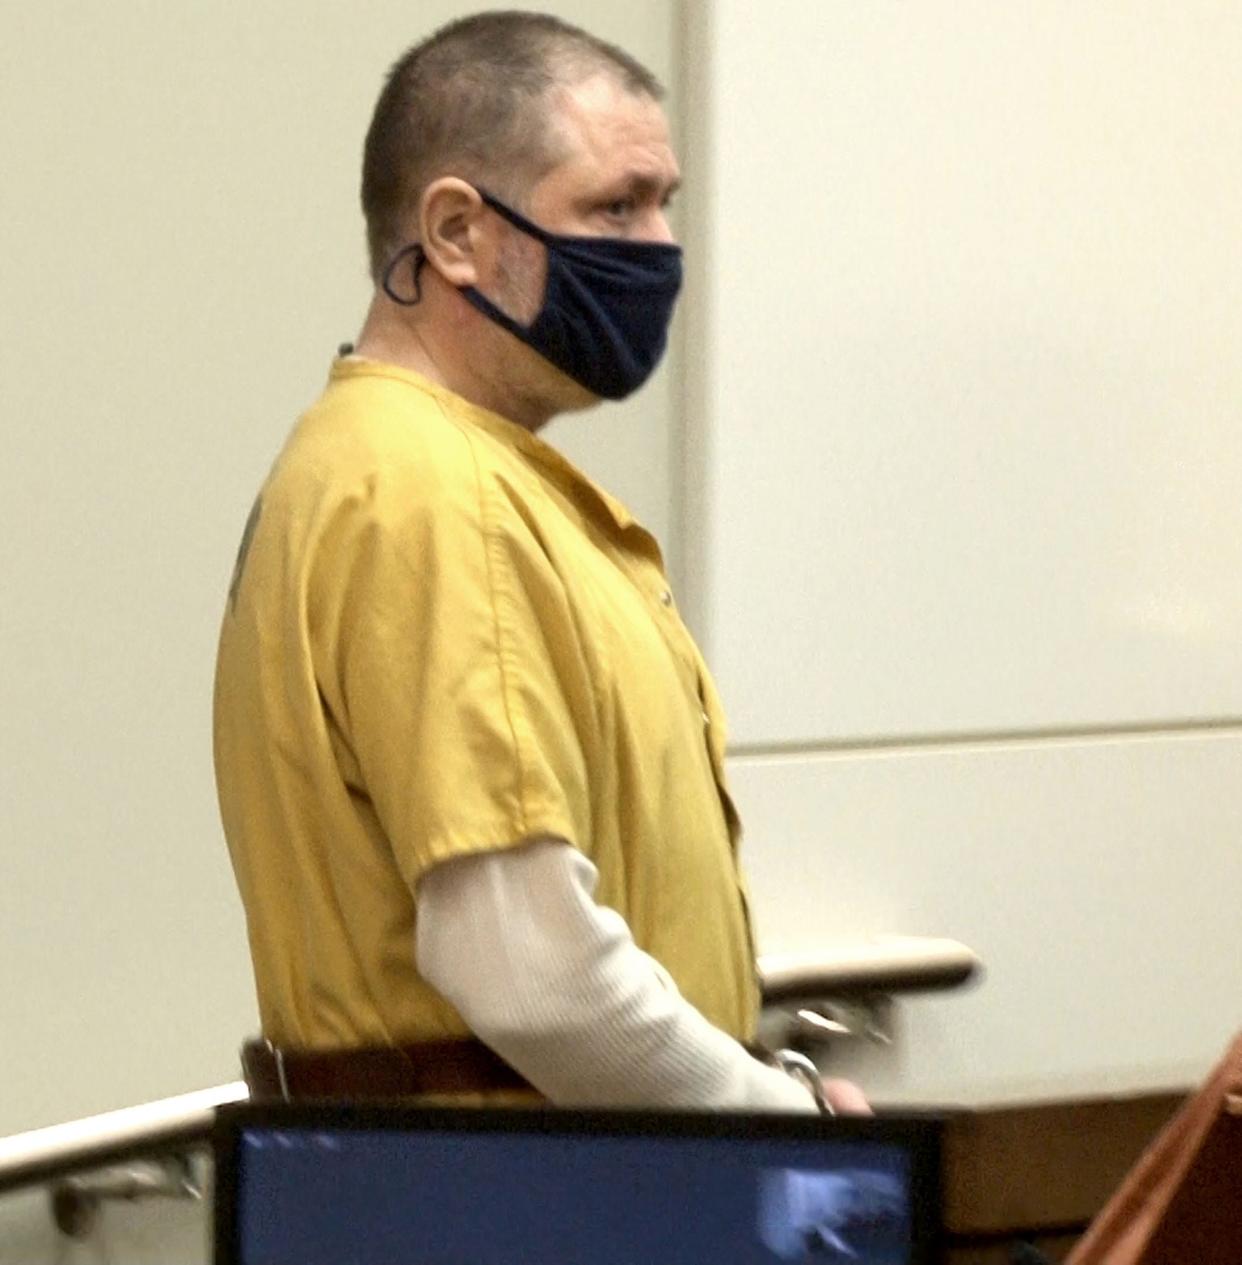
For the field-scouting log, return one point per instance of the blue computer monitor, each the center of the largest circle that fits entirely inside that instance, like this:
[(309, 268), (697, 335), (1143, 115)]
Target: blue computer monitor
[(376, 1185)]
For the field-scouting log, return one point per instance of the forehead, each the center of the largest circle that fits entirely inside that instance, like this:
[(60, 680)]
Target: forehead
[(609, 132)]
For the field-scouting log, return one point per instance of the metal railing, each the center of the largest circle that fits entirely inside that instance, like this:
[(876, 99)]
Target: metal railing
[(144, 1151), (152, 1129)]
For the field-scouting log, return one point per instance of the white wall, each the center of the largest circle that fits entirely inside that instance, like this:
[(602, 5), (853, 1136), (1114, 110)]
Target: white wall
[(964, 463), (146, 1232), (182, 253)]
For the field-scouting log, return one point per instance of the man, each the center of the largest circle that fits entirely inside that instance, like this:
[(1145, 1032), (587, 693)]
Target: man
[(470, 763)]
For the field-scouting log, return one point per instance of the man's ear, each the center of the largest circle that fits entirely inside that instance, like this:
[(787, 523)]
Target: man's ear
[(451, 223)]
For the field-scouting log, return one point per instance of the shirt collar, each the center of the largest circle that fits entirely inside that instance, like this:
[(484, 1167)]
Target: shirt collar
[(494, 424)]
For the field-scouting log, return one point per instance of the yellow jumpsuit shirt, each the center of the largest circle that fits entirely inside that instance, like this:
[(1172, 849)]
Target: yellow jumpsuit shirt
[(442, 639)]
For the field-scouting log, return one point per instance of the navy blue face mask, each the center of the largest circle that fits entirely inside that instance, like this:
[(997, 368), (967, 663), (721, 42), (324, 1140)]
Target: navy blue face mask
[(606, 306)]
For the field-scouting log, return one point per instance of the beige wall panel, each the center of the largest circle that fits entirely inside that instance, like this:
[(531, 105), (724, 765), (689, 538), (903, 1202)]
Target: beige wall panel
[(971, 448), (1099, 881)]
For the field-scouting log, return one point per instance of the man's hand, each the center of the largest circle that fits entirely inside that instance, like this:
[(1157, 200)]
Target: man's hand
[(845, 1098)]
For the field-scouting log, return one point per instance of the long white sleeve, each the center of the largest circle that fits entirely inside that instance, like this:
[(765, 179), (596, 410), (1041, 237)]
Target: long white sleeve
[(555, 984)]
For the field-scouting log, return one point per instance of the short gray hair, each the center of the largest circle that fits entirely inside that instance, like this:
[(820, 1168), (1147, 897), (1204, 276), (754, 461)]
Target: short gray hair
[(471, 101)]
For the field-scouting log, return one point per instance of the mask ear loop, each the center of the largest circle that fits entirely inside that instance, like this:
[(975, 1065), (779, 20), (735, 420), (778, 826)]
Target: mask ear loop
[(517, 219), (418, 257)]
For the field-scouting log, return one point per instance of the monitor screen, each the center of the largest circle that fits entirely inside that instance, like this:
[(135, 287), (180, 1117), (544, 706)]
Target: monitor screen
[(382, 1186)]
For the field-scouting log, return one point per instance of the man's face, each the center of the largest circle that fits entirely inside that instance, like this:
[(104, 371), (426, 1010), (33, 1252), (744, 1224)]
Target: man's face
[(617, 179), (619, 172)]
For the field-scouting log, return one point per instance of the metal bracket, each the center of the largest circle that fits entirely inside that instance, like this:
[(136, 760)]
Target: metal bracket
[(76, 1201), (811, 1026)]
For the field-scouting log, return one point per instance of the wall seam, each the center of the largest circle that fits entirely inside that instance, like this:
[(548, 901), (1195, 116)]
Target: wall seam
[(1172, 730), (691, 447)]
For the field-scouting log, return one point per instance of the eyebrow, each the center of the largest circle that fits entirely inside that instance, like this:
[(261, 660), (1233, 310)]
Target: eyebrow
[(644, 185)]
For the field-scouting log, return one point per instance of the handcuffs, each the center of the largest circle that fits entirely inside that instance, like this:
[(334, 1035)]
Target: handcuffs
[(800, 1068)]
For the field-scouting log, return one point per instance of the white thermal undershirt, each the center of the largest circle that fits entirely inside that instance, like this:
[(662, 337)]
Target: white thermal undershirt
[(555, 984)]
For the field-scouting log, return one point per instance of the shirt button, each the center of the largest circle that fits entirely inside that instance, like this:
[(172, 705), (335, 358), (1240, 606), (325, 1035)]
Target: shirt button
[(707, 720), (666, 598)]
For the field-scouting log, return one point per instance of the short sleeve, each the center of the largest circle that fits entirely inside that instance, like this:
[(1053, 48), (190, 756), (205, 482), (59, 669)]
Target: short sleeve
[(452, 650)]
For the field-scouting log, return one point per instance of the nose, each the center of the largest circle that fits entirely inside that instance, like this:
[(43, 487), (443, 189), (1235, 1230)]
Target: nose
[(658, 228)]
